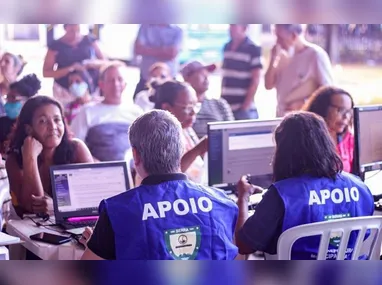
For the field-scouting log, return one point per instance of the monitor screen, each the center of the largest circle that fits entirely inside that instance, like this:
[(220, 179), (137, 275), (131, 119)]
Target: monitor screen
[(240, 148), (368, 137), (83, 188)]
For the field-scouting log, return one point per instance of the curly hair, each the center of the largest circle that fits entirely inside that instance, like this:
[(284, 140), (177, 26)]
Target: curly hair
[(28, 86), (65, 151)]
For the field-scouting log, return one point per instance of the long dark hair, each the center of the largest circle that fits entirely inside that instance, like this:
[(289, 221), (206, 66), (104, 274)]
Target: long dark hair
[(166, 92), (304, 146), (321, 99), (64, 153)]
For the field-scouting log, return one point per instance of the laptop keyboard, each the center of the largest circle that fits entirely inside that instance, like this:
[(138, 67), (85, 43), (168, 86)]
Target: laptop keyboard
[(81, 224)]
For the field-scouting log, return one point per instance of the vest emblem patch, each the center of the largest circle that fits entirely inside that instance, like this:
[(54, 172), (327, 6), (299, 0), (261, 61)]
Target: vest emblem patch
[(183, 243)]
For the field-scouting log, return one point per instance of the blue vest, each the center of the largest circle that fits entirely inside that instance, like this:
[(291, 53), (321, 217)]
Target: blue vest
[(309, 200), (173, 220)]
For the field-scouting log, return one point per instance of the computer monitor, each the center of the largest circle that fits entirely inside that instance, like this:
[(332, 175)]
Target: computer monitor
[(239, 148), (368, 146), (78, 189), (368, 138)]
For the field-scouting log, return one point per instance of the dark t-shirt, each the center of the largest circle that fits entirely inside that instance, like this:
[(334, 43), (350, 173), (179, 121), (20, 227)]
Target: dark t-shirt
[(262, 230), (6, 125), (102, 242), (68, 55)]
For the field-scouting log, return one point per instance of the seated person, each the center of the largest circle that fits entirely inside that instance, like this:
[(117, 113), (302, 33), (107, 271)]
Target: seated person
[(309, 187), (40, 139), (212, 110), (82, 88), (11, 66), (103, 126), (18, 93), (180, 99), (336, 107), (168, 216), (159, 72)]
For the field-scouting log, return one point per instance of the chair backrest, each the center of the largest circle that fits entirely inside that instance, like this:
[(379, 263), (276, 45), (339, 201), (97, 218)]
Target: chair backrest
[(326, 228)]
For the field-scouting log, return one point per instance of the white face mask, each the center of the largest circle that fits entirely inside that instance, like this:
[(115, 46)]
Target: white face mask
[(79, 89)]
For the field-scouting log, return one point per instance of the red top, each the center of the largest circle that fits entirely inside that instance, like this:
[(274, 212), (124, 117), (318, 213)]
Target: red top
[(345, 148)]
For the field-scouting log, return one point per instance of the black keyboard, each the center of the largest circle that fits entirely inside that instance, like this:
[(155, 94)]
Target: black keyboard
[(378, 205), (80, 224)]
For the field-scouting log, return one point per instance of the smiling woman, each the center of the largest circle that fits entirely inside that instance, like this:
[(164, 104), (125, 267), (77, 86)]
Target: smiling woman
[(40, 139)]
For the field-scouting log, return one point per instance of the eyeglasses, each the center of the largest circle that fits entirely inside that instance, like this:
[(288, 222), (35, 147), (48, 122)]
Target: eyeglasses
[(342, 111), (188, 109)]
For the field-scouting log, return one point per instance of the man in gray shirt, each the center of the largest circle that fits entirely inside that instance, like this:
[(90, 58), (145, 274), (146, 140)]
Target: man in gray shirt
[(157, 43), (296, 69)]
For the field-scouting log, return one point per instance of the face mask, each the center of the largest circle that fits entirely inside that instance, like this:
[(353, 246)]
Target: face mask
[(12, 109), (78, 89)]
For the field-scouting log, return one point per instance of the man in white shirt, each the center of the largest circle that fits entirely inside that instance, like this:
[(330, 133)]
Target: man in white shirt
[(296, 69), (104, 126)]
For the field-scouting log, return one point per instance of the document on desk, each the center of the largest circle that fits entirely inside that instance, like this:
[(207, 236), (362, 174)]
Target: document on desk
[(8, 240)]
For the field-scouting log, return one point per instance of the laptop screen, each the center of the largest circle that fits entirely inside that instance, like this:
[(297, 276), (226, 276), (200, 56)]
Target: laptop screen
[(81, 188)]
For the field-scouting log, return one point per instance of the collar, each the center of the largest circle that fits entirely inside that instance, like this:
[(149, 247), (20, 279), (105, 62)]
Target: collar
[(244, 42), (161, 178)]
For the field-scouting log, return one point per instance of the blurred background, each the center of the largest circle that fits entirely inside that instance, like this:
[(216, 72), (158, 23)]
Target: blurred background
[(355, 51)]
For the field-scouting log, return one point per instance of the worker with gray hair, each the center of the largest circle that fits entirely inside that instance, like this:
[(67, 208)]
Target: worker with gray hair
[(167, 216)]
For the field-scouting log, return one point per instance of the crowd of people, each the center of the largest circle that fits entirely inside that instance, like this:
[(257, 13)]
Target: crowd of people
[(163, 135)]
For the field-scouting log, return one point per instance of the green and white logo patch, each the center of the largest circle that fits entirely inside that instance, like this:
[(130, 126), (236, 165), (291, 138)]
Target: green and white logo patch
[(183, 243)]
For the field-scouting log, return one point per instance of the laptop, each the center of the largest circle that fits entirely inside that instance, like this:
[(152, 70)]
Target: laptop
[(78, 190)]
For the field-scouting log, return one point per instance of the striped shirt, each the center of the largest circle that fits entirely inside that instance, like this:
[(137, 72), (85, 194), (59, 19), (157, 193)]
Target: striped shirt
[(237, 71), (213, 110)]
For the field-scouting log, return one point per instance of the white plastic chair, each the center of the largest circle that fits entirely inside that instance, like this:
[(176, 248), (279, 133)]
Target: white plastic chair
[(324, 229), (4, 253)]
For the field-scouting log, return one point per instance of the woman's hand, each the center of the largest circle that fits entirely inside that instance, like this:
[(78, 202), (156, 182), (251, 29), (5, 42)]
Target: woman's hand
[(245, 189), (86, 235), (41, 204), (31, 148)]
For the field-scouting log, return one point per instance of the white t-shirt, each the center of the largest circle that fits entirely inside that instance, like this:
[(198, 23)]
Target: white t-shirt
[(100, 113), (300, 75), (143, 100)]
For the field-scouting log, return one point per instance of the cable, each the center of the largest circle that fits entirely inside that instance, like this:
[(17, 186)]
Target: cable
[(38, 224)]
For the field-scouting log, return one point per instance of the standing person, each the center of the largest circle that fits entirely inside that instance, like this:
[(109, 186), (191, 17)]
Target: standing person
[(68, 53), (168, 216), (296, 69), (241, 73), (157, 43)]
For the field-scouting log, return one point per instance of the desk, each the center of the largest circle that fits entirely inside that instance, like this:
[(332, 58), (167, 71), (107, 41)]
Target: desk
[(5, 197), (25, 228)]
